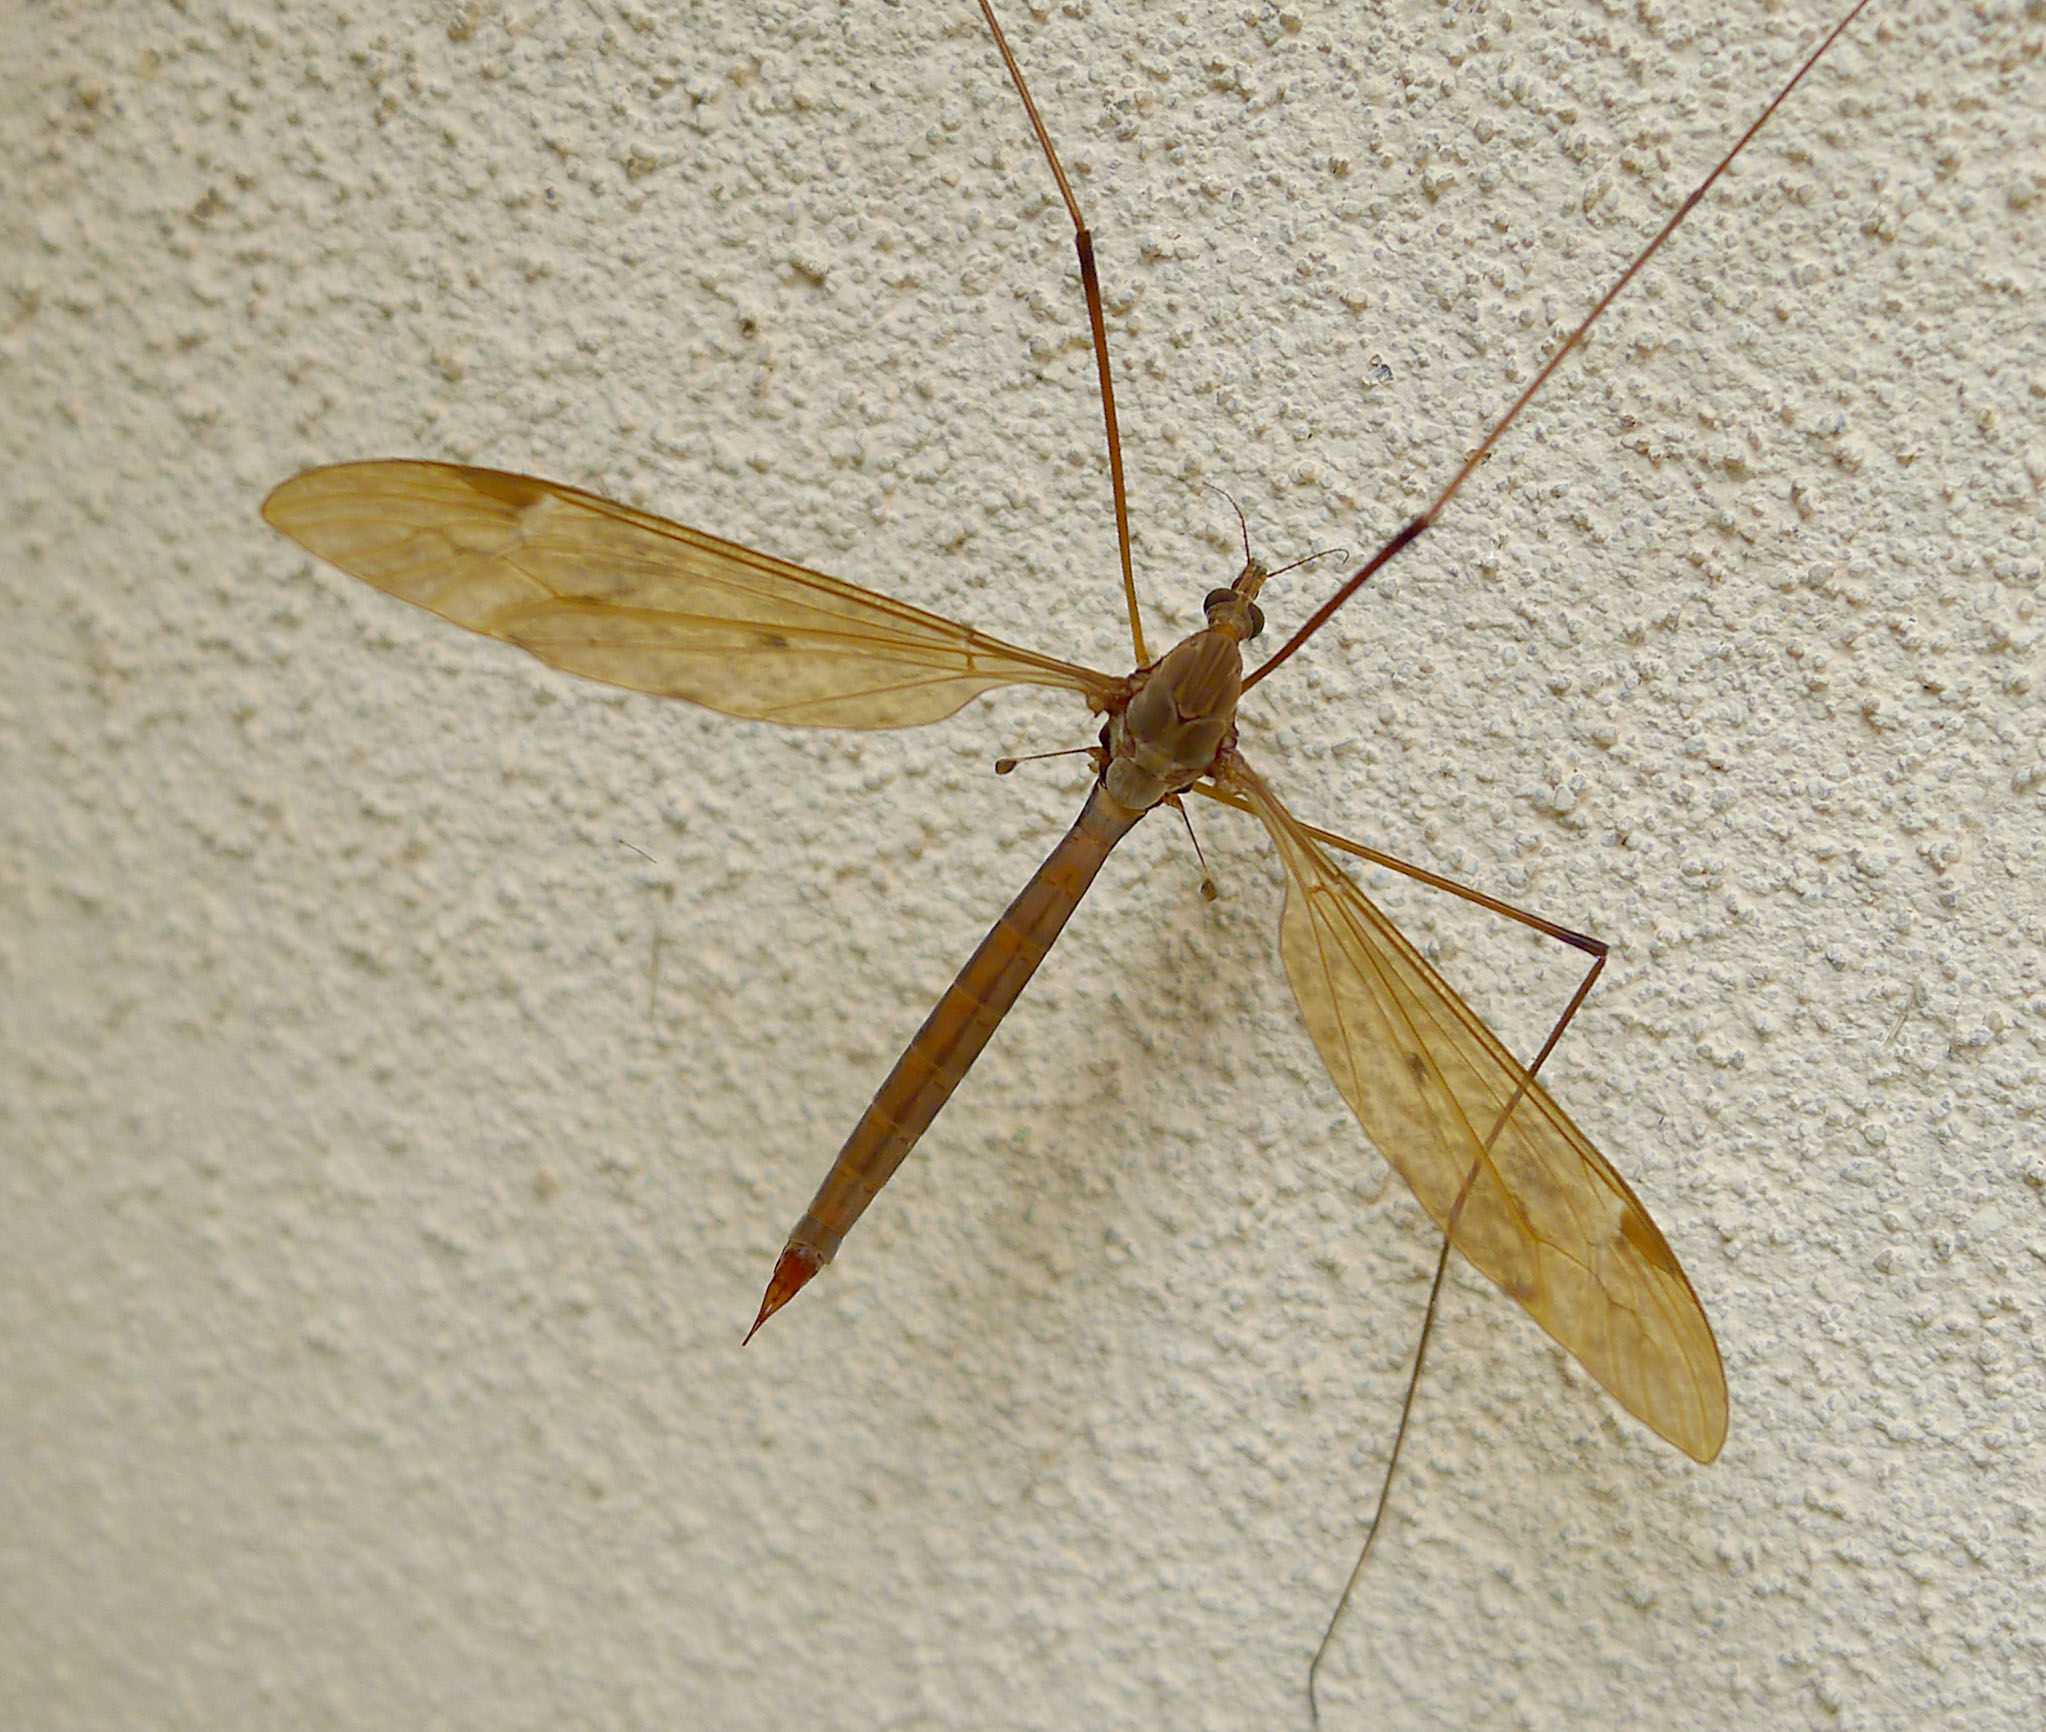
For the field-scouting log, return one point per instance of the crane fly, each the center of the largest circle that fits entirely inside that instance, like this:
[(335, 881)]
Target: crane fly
[(618, 595)]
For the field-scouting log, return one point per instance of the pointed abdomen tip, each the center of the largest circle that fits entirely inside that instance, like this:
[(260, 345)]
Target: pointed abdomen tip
[(792, 1272)]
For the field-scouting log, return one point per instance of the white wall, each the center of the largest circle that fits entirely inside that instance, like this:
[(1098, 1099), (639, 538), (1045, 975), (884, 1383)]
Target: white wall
[(393, 1156)]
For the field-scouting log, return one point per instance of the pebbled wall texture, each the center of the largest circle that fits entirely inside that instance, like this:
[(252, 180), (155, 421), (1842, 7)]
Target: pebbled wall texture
[(411, 1059)]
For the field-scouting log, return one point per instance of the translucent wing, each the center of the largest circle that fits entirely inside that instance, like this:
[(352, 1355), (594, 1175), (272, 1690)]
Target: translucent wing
[(621, 596), (1545, 1217)]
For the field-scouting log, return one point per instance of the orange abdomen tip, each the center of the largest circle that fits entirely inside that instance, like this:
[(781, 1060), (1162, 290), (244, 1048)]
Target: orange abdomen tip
[(792, 1272)]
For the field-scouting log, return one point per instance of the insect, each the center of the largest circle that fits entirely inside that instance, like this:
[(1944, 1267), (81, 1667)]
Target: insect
[(601, 590), (605, 591)]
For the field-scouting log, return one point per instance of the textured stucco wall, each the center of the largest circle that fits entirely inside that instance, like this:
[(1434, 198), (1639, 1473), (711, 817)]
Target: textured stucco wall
[(410, 1059)]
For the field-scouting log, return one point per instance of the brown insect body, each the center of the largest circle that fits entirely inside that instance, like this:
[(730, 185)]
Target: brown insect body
[(1173, 723)]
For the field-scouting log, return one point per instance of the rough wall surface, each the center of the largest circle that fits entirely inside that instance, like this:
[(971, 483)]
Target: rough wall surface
[(411, 1059)]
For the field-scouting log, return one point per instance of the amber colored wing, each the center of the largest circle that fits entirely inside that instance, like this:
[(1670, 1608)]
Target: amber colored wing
[(621, 596), (1545, 1217)]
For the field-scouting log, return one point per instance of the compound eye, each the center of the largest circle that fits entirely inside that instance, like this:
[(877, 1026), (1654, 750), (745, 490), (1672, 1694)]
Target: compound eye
[(1217, 598), (1257, 620)]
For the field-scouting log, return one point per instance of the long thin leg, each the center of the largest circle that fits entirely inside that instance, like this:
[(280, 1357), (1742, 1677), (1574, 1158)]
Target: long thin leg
[(1412, 530), (1435, 881), (1597, 950), (1392, 1462), (1399, 1436), (1083, 243)]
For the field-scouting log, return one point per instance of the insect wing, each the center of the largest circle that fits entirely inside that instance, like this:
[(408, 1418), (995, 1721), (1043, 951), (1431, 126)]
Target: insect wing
[(622, 596), (1545, 1216)]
